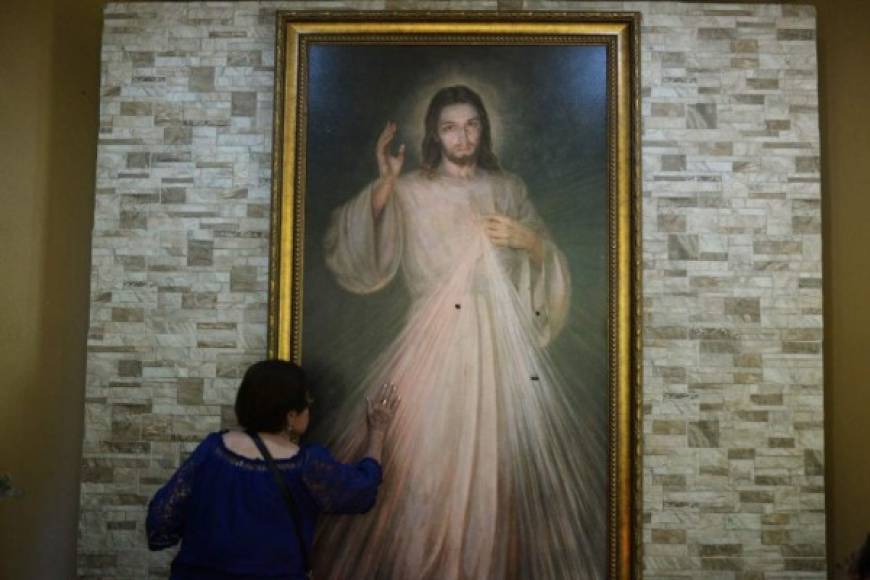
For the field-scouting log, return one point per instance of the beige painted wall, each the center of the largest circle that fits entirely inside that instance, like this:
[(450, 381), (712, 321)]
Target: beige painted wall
[(49, 79), (844, 47)]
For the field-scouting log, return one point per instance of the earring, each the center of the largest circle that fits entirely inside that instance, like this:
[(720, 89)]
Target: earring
[(292, 435)]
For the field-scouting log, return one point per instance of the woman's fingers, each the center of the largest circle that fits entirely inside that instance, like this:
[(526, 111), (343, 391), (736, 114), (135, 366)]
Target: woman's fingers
[(387, 394), (381, 405), (380, 394)]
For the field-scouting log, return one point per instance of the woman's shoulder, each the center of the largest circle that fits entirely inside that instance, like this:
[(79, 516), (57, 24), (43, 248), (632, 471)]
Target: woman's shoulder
[(232, 439), (239, 446), (316, 452), (210, 441), (203, 452), (208, 446)]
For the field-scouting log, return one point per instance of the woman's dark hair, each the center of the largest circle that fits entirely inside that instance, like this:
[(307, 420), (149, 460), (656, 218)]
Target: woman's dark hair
[(270, 389), (431, 148)]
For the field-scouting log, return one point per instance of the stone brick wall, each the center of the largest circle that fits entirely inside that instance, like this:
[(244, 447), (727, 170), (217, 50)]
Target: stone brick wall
[(732, 403)]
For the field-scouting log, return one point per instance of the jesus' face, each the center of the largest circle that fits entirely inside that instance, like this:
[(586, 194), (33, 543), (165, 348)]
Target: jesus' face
[(459, 130)]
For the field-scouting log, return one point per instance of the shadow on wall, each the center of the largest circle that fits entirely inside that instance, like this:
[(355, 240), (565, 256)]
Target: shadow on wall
[(68, 215)]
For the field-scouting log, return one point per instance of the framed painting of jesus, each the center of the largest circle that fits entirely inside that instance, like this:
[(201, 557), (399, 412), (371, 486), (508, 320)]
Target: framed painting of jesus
[(456, 213)]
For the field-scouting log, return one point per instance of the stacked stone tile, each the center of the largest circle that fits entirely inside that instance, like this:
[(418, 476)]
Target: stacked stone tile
[(732, 403), (733, 431)]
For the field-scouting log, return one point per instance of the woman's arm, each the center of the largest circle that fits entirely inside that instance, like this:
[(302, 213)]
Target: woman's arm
[(352, 488), (167, 510)]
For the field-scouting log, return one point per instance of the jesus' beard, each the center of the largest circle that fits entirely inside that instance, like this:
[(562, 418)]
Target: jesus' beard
[(461, 160)]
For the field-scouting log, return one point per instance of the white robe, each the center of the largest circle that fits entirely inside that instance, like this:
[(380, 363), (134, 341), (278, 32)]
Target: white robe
[(487, 472)]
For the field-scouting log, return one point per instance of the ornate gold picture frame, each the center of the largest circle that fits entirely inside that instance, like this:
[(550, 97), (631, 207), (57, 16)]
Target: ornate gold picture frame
[(492, 274)]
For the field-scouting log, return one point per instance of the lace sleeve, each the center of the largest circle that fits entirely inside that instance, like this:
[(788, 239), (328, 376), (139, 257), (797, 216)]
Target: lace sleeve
[(338, 487), (167, 509)]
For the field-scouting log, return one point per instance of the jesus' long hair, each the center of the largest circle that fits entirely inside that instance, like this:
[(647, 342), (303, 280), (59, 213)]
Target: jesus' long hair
[(431, 148)]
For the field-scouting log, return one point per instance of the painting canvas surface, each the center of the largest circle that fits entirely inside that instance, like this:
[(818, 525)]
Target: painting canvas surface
[(497, 462)]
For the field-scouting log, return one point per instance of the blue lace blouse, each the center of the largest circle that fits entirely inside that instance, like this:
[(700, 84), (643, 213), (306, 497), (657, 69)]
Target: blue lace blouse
[(230, 517)]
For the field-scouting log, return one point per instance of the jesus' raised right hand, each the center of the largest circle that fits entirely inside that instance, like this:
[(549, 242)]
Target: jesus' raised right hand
[(389, 167)]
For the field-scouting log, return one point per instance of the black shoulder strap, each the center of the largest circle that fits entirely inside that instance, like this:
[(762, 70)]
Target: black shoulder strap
[(288, 496)]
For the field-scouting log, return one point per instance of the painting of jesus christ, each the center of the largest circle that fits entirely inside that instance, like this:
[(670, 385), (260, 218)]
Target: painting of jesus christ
[(457, 244)]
